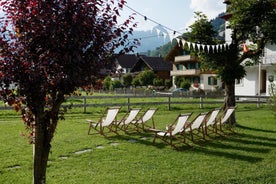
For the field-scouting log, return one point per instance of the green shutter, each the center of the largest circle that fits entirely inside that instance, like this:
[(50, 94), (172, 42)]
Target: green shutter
[(212, 80)]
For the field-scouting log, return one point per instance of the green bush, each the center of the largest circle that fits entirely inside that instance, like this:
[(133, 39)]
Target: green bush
[(178, 80), (157, 82), (168, 83), (136, 81), (185, 84), (127, 80), (107, 82), (116, 84), (146, 77), (181, 82)]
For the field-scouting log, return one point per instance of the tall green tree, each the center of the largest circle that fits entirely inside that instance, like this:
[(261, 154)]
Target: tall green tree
[(50, 48), (203, 32), (251, 20)]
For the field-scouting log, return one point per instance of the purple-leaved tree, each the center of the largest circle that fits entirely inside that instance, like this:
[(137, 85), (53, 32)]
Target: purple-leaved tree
[(48, 49)]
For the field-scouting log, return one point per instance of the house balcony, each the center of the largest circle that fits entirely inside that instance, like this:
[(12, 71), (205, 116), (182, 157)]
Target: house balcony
[(190, 72), (185, 58)]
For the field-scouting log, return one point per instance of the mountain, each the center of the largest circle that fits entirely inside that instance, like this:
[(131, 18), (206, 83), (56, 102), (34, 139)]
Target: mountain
[(219, 26), (157, 42), (151, 39)]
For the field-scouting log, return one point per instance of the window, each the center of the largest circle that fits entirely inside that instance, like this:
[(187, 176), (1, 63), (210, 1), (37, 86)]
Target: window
[(239, 82), (212, 81), (197, 66), (179, 67), (191, 66)]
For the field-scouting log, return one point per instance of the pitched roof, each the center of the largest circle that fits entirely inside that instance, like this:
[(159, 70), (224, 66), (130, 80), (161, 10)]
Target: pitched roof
[(156, 63), (127, 60)]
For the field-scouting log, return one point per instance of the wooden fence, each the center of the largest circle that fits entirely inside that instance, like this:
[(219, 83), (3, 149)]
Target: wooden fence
[(168, 100)]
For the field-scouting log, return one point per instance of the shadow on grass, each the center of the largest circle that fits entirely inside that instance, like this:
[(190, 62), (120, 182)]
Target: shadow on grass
[(262, 138), (219, 145), (227, 147), (138, 138), (252, 140), (254, 129), (224, 153)]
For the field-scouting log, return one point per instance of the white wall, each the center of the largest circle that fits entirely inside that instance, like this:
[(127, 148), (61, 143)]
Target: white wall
[(270, 54), (249, 84), (204, 82)]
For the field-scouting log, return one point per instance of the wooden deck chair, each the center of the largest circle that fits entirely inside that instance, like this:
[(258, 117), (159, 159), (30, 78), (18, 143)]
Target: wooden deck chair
[(224, 119), (211, 121), (108, 120), (141, 121), (172, 130), (197, 124), (129, 117)]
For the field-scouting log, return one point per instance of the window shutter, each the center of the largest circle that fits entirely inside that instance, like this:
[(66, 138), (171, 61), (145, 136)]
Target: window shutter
[(212, 81)]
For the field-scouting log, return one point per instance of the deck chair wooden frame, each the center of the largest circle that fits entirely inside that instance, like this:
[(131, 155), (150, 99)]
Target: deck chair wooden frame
[(130, 117), (172, 131), (140, 123), (195, 127), (224, 119), (107, 121), (211, 121)]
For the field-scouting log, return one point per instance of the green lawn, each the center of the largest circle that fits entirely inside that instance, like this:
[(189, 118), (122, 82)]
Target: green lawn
[(247, 157)]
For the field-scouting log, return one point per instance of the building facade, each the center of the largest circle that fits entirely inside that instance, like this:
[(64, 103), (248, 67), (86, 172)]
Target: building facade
[(260, 77), (188, 67)]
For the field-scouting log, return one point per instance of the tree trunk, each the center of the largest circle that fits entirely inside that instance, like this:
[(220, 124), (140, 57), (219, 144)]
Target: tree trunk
[(230, 100), (41, 150), (45, 126)]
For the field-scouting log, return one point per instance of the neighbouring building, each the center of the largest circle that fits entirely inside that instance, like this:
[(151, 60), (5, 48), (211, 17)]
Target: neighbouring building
[(188, 67), (125, 63), (158, 65), (135, 63)]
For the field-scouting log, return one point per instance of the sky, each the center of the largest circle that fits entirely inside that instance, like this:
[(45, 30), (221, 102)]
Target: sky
[(174, 14)]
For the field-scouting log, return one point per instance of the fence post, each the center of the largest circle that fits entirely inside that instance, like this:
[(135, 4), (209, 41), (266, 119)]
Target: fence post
[(169, 102), (258, 102), (84, 104), (200, 102), (128, 103)]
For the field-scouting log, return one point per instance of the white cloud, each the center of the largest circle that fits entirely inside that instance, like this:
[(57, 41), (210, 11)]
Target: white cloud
[(211, 8)]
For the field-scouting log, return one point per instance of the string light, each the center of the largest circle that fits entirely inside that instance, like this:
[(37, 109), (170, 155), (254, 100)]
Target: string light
[(149, 19), (190, 44)]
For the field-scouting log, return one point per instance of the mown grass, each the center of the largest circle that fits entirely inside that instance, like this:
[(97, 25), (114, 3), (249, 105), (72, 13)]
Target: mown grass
[(246, 157)]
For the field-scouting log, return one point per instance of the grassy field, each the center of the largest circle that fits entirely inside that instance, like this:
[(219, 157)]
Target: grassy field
[(246, 157)]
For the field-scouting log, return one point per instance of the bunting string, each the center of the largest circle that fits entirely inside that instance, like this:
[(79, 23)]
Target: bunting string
[(185, 43)]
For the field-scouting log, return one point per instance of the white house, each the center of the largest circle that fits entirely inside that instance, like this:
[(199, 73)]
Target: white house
[(259, 78), (188, 66)]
